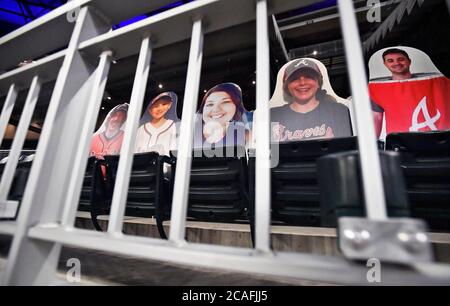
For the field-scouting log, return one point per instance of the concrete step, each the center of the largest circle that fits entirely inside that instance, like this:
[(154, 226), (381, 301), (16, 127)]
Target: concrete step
[(315, 240)]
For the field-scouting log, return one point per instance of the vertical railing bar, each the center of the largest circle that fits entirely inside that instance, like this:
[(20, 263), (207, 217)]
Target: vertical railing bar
[(262, 177), (7, 109), (370, 161), (23, 250), (279, 37), (79, 166), (19, 139), (127, 150), (55, 100), (184, 158)]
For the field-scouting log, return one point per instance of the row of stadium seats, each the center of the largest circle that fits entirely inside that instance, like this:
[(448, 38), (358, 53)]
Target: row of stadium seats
[(313, 183)]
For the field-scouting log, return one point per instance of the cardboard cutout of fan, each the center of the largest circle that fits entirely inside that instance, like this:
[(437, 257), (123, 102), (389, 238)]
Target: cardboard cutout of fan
[(408, 92), (304, 105), (107, 140), (222, 119), (157, 130)]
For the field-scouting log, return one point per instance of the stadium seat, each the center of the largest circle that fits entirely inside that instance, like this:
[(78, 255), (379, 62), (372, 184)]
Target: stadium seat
[(340, 177), (146, 181), (20, 176), (218, 184), (95, 192), (425, 161), (86, 189), (295, 190)]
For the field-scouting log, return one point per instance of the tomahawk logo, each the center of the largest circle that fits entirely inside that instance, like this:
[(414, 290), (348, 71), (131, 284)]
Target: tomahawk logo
[(429, 122), (302, 62)]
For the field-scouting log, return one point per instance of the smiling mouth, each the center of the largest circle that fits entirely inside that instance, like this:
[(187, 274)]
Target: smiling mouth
[(217, 116), (303, 90)]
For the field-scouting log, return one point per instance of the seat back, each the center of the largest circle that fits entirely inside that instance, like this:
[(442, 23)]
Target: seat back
[(340, 177), (87, 188), (295, 190), (142, 190), (21, 174), (218, 185), (425, 161)]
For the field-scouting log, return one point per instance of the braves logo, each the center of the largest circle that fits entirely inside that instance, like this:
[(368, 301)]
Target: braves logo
[(429, 122), (302, 62)]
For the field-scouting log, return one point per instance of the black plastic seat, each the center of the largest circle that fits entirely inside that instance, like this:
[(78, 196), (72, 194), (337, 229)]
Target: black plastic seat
[(20, 180), (21, 175), (144, 191), (340, 178), (86, 189), (218, 188), (95, 194), (425, 162), (295, 191)]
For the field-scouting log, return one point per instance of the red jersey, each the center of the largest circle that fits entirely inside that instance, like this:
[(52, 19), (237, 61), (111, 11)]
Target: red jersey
[(418, 104), (100, 145)]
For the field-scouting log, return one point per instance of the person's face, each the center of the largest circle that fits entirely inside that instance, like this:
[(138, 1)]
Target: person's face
[(397, 63), (160, 108), (219, 107), (116, 121), (303, 87)]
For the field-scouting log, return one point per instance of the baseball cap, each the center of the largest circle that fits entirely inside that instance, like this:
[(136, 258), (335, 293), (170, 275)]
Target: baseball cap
[(119, 108), (162, 95), (301, 63)]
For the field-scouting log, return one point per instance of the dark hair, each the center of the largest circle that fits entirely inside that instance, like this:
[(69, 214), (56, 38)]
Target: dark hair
[(395, 50), (235, 94)]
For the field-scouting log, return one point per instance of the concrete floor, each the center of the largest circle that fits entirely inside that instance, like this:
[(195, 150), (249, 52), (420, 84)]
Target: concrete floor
[(100, 268)]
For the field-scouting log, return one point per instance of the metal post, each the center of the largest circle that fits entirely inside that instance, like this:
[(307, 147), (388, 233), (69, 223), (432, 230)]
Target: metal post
[(370, 162), (279, 37), (32, 261), (127, 150), (262, 177), (16, 149), (7, 110), (79, 166), (184, 158)]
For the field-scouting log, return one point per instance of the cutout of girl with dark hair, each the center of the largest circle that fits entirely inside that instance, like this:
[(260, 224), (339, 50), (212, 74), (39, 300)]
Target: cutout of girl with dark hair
[(221, 118), (157, 131), (108, 138)]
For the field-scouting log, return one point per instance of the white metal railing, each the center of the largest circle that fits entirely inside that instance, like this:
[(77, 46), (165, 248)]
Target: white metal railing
[(182, 177), (47, 214), (370, 161)]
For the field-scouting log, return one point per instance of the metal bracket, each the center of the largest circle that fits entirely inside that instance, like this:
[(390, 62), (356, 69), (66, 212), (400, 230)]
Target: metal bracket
[(396, 240)]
